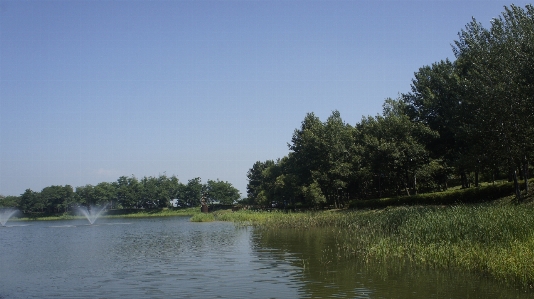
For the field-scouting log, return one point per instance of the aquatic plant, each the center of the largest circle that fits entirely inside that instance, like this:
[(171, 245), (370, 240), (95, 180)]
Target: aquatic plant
[(202, 217), (492, 239)]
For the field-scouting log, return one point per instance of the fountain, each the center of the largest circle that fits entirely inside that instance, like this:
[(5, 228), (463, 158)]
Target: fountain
[(5, 214), (92, 212)]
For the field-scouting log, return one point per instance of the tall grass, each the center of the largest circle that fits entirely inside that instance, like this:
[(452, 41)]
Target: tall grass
[(492, 239), (202, 217)]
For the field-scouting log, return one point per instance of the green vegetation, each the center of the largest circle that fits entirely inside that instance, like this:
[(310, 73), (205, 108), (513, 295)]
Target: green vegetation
[(463, 122), (165, 212), (128, 193), (495, 239), (202, 217), (449, 197), (122, 213)]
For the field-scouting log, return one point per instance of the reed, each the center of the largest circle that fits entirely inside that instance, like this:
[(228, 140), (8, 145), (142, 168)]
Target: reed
[(202, 217), (495, 239)]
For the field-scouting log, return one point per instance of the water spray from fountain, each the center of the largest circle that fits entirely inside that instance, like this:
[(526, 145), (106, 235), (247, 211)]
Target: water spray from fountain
[(92, 212), (5, 214)]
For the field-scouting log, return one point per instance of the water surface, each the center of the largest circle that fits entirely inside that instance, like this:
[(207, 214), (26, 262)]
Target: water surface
[(174, 258)]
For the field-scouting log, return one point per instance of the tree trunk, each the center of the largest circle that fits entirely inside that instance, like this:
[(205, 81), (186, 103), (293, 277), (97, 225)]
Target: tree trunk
[(516, 187), (476, 178), (406, 185), (415, 184), (525, 174), (465, 183)]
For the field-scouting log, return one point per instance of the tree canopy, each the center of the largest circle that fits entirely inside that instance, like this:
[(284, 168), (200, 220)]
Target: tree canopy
[(462, 121), (125, 193)]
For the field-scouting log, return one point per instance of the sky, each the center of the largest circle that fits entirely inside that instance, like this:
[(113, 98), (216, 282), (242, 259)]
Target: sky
[(94, 90)]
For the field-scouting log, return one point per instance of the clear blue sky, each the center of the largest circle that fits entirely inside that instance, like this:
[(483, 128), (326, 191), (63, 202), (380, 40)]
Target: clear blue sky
[(93, 90)]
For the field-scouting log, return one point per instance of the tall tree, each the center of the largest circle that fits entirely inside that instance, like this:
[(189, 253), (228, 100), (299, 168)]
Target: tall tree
[(393, 148), (255, 180), (438, 100), (321, 157), (497, 66)]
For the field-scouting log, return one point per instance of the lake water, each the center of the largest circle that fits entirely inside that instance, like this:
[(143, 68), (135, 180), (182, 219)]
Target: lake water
[(174, 258)]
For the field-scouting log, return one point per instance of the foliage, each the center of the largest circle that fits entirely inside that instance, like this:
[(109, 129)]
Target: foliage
[(492, 239), (462, 121), (9, 201), (202, 217), (222, 192), (126, 193)]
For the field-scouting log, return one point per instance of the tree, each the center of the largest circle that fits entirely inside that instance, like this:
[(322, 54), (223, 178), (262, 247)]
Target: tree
[(438, 100), (156, 192), (104, 194), (192, 193), (256, 179), (497, 66), (30, 201), (308, 149), (393, 148), (321, 156), (222, 192), (85, 195), (9, 201), (128, 192), (57, 198)]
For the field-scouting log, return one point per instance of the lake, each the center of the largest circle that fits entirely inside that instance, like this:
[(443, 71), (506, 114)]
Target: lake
[(174, 258)]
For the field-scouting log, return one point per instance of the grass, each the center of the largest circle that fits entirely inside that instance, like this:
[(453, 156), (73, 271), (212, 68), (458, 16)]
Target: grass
[(141, 213), (494, 239), (126, 213), (202, 217)]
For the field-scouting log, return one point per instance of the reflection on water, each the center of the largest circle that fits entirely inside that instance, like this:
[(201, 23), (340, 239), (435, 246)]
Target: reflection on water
[(327, 272), (174, 258), (149, 258)]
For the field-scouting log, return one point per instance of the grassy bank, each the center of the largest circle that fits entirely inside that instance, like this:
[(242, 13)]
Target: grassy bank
[(124, 213), (495, 239)]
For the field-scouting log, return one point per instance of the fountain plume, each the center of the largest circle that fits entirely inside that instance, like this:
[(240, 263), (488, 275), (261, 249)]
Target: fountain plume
[(5, 214), (92, 212)]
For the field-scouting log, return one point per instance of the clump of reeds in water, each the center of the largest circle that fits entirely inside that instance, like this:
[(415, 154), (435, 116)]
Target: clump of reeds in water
[(203, 217)]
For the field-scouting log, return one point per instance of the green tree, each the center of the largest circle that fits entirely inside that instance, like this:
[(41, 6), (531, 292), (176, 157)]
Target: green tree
[(128, 192), (255, 180), (85, 195), (321, 156), (438, 100), (393, 148), (104, 194), (9, 201), (497, 66), (192, 193), (57, 198), (222, 192), (30, 201)]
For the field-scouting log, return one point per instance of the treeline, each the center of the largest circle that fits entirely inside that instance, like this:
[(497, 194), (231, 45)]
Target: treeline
[(125, 193), (463, 121)]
